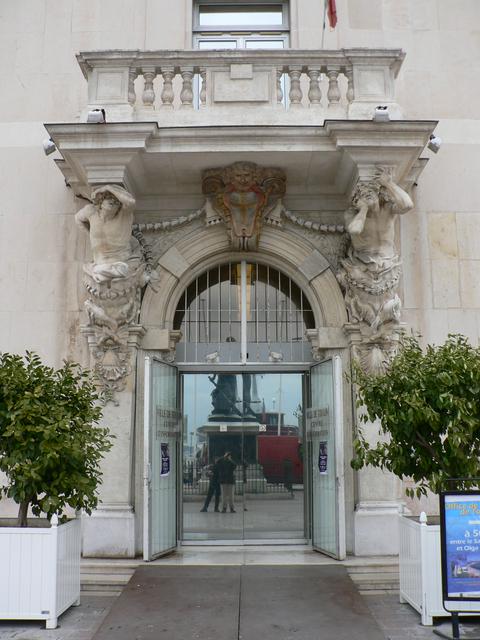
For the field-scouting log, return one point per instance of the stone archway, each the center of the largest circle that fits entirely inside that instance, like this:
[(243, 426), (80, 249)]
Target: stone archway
[(200, 249)]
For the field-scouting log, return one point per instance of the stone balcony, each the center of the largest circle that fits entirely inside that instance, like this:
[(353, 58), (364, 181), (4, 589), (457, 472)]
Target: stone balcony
[(172, 114), (176, 88)]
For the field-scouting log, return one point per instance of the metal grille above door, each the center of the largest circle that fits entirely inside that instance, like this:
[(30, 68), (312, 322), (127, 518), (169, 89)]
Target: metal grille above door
[(243, 312)]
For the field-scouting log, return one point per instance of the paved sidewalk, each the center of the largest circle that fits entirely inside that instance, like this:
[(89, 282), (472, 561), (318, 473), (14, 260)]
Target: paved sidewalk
[(397, 621), (77, 623)]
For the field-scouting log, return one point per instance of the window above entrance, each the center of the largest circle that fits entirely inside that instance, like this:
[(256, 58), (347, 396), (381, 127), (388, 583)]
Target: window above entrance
[(240, 25), (243, 312)]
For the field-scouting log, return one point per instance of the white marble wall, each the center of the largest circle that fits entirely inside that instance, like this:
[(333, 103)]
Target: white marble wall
[(41, 250)]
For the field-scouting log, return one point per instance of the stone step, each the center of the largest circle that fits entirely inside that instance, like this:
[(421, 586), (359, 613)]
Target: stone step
[(393, 568), (111, 576), (108, 566), (105, 577), (375, 580)]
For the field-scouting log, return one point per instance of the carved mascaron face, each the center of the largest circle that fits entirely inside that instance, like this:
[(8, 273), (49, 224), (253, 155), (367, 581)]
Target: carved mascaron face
[(242, 178)]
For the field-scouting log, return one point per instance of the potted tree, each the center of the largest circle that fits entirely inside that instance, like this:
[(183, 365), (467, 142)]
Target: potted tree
[(50, 452), (428, 406)]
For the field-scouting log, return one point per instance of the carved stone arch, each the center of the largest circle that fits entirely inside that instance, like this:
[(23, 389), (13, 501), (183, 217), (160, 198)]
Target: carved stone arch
[(200, 250)]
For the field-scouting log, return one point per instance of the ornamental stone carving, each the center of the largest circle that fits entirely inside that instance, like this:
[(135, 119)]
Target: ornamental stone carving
[(370, 273), (114, 281), (242, 195)]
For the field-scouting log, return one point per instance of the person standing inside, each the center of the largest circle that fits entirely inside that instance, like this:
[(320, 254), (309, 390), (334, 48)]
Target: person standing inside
[(213, 486), (227, 481)]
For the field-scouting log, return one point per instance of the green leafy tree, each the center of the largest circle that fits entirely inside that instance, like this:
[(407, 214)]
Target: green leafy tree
[(428, 403), (50, 442)]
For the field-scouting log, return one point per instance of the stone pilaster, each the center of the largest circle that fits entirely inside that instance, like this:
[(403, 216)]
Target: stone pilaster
[(110, 531), (379, 493)]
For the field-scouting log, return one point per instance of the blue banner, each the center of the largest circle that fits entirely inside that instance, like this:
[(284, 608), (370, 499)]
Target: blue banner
[(462, 545)]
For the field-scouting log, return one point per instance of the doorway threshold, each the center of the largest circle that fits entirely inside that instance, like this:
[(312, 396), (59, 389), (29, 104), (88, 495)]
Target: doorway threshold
[(257, 542)]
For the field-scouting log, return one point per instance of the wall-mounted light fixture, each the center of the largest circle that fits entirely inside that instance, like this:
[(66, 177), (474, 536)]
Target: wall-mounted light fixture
[(434, 143), (97, 116), (381, 114), (48, 146)]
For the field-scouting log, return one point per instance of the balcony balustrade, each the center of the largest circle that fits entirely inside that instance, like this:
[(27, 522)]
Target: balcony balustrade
[(241, 86)]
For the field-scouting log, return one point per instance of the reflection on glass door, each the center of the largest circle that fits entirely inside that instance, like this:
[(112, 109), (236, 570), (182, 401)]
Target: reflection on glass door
[(243, 456), (161, 431), (325, 446)]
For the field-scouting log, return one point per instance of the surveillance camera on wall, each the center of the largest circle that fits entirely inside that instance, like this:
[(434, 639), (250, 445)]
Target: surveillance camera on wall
[(96, 116), (49, 146), (435, 143), (381, 114)]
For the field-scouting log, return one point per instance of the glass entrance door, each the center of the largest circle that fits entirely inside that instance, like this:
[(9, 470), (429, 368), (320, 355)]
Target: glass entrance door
[(325, 450), (243, 456), (161, 434)]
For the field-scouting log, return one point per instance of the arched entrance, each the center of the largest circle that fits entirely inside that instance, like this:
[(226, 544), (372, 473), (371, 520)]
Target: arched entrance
[(244, 353), (243, 363)]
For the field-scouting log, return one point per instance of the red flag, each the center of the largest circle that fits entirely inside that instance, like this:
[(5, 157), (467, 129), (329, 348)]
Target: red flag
[(332, 13)]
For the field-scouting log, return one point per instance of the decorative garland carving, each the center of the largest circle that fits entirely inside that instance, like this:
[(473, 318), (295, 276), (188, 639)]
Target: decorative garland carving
[(309, 225), (169, 225)]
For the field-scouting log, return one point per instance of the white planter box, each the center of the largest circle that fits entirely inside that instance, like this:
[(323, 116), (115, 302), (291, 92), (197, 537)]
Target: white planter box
[(40, 571), (420, 567)]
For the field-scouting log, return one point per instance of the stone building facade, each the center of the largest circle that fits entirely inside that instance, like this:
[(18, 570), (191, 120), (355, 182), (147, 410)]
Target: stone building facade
[(254, 145)]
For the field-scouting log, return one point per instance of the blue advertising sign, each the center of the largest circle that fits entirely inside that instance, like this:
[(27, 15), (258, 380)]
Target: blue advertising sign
[(460, 530)]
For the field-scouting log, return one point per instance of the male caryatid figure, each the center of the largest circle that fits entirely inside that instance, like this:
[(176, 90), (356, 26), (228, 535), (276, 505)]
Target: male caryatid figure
[(371, 219), (372, 269), (109, 222), (117, 274)]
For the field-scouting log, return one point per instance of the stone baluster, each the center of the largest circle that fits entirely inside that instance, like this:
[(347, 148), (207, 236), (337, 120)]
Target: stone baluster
[(203, 88), (296, 93), (132, 75), (314, 92), (333, 93), (186, 95), (168, 95), (350, 91), (148, 96), (279, 86)]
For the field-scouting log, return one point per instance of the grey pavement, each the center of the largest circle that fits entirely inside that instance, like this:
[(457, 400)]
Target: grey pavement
[(397, 621)]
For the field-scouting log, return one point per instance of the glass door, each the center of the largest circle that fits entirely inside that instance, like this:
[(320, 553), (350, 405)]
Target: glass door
[(273, 459), (243, 456), (325, 445), (161, 433)]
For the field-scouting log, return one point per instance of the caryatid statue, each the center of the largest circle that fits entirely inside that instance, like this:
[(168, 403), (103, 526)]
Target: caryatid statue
[(241, 195), (114, 279), (109, 220), (371, 271)]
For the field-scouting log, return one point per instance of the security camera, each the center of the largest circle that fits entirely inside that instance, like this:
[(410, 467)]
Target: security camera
[(48, 146), (435, 143), (96, 116), (381, 113)]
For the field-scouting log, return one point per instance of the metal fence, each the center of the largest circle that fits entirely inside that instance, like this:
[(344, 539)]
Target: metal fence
[(248, 479)]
